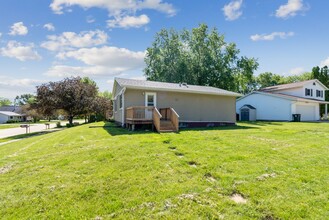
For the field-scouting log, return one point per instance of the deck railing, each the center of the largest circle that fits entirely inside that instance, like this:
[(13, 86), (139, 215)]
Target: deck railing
[(139, 113)]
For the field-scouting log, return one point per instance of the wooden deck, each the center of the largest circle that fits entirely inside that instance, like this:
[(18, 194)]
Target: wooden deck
[(164, 119)]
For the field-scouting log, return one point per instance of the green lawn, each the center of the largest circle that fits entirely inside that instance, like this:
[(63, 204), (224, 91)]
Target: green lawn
[(280, 169), (6, 126)]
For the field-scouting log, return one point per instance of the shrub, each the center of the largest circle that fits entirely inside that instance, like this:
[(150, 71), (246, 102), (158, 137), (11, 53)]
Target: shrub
[(58, 125), (68, 125)]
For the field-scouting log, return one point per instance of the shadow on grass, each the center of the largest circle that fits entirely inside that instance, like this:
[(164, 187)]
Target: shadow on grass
[(114, 129), (219, 128), (261, 123), (23, 136)]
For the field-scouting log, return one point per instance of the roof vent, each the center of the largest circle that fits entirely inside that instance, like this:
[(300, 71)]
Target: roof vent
[(185, 84)]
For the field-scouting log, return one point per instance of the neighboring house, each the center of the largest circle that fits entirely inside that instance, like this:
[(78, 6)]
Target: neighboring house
[(16, 109), (279, 103), (6, 116), (169, 106)]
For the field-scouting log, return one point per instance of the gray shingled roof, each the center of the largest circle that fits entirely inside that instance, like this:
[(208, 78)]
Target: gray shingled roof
[(9, 113), (176, 87), (290, 85), (11, 108)]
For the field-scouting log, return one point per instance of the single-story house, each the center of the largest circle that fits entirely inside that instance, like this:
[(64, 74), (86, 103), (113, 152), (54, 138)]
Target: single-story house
[(6, 116), (169, 106), (281, 102)]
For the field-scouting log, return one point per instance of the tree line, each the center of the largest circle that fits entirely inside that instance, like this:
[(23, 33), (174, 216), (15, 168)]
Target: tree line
[(70, 97), (202, 57)]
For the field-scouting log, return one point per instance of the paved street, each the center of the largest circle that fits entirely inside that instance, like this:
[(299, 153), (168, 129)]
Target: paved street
[(16, 131)]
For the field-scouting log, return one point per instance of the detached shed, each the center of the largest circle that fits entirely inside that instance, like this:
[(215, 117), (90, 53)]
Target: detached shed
[(247, 113)]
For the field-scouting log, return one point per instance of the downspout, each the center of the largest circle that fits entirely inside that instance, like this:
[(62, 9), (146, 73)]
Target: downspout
[(123, 106)]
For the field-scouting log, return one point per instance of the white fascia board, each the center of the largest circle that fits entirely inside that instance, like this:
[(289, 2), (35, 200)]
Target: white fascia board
[(178, 90)]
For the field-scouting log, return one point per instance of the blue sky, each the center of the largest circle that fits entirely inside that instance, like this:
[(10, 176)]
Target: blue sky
[(47, 40)]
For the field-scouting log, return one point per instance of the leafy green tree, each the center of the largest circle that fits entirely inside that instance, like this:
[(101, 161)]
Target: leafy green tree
[(105, 94), (268, 79), (24, 99), (4, 101), (199, 57), (73, 95)]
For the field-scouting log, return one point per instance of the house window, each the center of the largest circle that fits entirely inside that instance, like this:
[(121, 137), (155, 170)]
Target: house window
[(319, 93), (120, 101), (11, 117), (308, 92)]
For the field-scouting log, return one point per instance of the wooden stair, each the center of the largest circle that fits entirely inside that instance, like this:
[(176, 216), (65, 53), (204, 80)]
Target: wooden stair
[(166, 126)]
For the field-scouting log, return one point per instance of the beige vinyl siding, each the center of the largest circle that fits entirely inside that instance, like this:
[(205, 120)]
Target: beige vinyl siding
[(190, 107), (117, 113)]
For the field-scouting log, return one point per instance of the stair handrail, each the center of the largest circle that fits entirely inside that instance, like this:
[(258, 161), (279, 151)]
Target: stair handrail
[(156, 118), (174, 119)]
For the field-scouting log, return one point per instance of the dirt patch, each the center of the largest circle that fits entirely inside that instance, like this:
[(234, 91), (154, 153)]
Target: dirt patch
[(179, 154), (188, 196), (238, 198), (166, 141), (192, 163), (6, 169), (210, 178), (172, 148), (266, 176), (168, 205)]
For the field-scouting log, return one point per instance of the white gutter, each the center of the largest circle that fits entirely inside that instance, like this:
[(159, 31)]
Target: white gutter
[(233, 94)]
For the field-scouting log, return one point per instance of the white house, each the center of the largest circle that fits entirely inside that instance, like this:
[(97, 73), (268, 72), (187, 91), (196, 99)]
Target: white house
[(279, 103), (9, 116)]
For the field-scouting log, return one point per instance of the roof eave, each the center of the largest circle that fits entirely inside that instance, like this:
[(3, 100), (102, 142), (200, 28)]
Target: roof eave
[(183, 91)]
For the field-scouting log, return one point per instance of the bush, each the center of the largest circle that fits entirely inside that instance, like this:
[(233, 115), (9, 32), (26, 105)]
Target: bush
[(58, 125), (12, 121), (68, 125)]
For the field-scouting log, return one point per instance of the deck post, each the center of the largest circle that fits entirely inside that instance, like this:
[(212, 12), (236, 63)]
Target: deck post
[(133, 127), (326, 111)]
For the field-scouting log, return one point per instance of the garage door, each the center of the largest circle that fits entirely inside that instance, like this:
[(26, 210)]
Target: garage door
[(307, 112)]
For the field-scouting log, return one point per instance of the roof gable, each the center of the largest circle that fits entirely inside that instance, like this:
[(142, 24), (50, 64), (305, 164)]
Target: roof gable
[(175, 87), (292, 85)]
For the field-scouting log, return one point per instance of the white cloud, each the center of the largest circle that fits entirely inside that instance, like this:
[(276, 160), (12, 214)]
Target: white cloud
[(297, 71), (49, 27), (0, 34), (129, 21), (24, 82), (19, 51), (325, 62), (272, 36), (99, 61), (232, 10), (11, 87), (71, 40), (18, 29), (115, 7), (290, 9)]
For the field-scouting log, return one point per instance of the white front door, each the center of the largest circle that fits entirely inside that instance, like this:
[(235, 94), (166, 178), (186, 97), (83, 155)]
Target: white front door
[(150, 101)]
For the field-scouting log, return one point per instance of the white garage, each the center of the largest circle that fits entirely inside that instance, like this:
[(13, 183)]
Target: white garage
[(280, 107)]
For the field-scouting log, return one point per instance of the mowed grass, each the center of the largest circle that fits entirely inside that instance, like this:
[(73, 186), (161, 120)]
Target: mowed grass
[(280, 171), (6, 126)]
